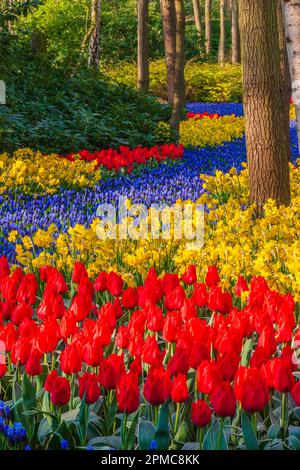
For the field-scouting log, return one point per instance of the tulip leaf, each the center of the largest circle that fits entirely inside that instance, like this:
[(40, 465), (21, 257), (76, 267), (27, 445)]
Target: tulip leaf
[(191, 446), (273, 431), (43, 431), (28, 392), (180, 437), (162, 435), (246, 353), (211, 438), (54, 442), (250, 439), (132, 432), (294, 442), (146, 434)]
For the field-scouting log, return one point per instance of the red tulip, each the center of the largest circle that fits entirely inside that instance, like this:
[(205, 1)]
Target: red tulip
[(208, 377), (223, 399), (281, 375), (128, 393), (70, 359), (111, 370), (60, 391), (179, 391), (79, 272), (89, 386), (33, 364), (241, 286), (100, 284), (212, 277), (50, 379), (190, 275), (201, 413), (114, 284), (157, 386), (200, 296), (296, 393), (251, 389), (130, 298)]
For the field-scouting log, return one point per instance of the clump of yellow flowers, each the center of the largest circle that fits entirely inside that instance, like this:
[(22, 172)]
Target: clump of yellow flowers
[(211, 131), (32, 172), (234, 239)]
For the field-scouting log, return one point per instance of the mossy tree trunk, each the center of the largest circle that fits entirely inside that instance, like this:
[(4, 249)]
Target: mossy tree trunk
[(268, 149), (94, 40)]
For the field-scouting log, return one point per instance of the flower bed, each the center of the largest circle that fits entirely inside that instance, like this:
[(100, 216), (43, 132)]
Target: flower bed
[(168, 362)]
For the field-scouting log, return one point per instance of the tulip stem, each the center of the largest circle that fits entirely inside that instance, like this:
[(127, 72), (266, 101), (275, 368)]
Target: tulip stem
[(177, 419), (254, 423), (200, 437), (283, 421), (220, 434)]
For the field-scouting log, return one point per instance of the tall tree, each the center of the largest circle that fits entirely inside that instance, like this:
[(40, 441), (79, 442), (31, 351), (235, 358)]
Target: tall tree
[(235, 33), (143, 45), (222, 42), (208, 27), (197, 17), (179, 84), (168, 14), (291, 13), (284, 67), (268, 149), (94, 40)]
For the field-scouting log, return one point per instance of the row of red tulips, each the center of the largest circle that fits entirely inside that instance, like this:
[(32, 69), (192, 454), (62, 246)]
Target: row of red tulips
[(171, 338), (126, 158)]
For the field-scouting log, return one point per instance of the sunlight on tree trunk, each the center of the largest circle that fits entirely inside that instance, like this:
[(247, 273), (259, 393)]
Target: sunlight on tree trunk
[(222, 42), (268, 145), (208, 28), (94, 41)]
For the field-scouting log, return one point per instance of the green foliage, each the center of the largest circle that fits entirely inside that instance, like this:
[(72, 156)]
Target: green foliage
[(64, 112), (204, 82)]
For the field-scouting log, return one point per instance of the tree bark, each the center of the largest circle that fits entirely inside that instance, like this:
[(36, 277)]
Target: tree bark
[(222, 42), (235, 33), (168, 14), (268, 149), (208, 27), (197, 17), (179, 84), (291, 14), (143, 45), (94, 40)]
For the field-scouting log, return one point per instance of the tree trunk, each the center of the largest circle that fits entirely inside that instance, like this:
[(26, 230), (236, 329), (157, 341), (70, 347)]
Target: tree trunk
[(291, 14), (179, 85), (197, 17), (235, 33), (143, 45), (222, 43), (268, 149), (286, 85), (208, 28), (94, 40), (168, 14)]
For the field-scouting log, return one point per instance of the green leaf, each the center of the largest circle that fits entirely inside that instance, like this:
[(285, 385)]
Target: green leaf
[(248, 433), (43, 431), (146, 434), (211, 438), (132, 432), (112, 442), (181, 436), (246, 353), (29, 394), (294, 442), (162, 435)]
